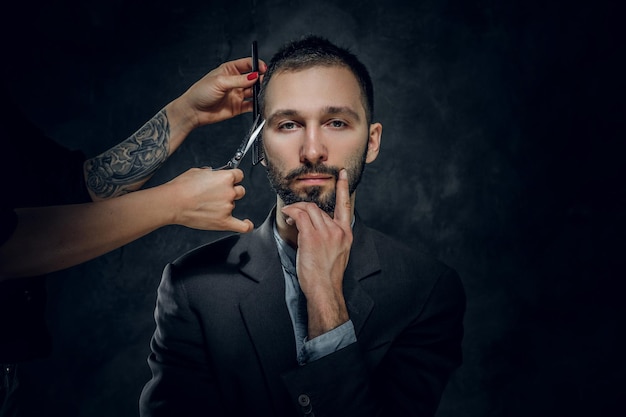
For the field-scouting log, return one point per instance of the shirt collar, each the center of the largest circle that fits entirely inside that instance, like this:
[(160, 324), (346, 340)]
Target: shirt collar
[(285, 251)]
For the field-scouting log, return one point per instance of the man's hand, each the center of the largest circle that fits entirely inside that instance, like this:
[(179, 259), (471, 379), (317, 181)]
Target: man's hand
[(323, 251), (205, 199)]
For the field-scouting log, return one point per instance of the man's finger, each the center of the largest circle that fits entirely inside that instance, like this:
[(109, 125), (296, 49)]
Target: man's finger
[(343, 204), (298, 215)]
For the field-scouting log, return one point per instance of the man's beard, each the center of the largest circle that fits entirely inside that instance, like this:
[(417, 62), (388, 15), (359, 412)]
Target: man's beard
[(280, 182)]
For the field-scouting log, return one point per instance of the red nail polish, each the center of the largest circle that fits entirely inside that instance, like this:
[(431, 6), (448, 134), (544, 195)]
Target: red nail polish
[(253, 75)]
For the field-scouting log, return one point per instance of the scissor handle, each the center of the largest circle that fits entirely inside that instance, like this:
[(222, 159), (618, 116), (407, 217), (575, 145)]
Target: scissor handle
[(223, 167)]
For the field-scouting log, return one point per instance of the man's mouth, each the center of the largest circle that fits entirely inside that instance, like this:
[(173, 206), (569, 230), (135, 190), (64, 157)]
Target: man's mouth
[(314, 179)]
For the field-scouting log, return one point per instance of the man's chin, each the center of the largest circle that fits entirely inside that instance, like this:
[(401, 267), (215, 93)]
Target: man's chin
[(325, 200), (316, 194), (325, 203)]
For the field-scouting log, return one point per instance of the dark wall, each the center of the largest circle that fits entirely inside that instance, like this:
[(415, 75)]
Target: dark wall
[(502, 155)]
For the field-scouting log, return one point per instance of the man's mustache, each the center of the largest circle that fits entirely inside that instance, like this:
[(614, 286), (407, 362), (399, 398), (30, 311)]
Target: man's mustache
[(313, 169)]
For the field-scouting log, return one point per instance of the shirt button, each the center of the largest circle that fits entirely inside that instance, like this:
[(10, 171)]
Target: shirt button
[(304, 400)]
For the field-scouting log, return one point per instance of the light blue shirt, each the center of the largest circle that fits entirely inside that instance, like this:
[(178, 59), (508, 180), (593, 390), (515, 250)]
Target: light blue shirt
[(322, 345)]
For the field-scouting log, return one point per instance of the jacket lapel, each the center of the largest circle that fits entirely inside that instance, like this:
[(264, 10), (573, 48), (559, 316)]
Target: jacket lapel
[(264, 311), (362, 264)]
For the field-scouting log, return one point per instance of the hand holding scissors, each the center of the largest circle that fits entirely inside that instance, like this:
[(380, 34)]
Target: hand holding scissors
[(245, 145)]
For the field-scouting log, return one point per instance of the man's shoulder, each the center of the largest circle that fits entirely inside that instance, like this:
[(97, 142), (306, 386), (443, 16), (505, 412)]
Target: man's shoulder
[(212, 253), (210, 265)]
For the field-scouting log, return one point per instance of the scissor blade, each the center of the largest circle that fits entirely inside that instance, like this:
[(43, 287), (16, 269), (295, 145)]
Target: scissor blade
[(244, 147), (253, 137)]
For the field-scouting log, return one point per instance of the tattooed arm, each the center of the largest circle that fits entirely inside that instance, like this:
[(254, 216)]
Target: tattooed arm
[(127, 166), (219, 95), (47, 239)]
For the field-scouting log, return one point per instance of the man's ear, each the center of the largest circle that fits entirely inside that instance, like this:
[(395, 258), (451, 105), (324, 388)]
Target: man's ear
[(373, 142)]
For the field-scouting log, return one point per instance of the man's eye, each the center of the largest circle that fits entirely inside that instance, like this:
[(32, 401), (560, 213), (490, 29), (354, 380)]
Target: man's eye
[(337, 123), (287, 126)]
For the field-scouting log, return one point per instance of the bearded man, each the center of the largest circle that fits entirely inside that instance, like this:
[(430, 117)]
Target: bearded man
[(313, 313)]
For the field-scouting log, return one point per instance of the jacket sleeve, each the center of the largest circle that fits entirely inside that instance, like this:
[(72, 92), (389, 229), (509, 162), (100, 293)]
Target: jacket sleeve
[(182, 382), (407, 380)]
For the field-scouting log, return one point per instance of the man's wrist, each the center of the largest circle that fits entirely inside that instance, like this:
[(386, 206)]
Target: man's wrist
[(326, 317), (327, 343)]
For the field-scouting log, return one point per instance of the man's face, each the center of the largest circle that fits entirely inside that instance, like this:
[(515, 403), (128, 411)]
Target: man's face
[(316, 125)]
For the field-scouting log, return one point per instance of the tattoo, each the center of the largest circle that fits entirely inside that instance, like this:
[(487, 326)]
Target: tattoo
[(115, 171)]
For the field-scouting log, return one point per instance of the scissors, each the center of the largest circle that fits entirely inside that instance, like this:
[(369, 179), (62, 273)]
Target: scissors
[(245, 145), (253, 136)]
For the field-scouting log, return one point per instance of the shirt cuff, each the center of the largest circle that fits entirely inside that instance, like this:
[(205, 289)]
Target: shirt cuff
[(327, 343)]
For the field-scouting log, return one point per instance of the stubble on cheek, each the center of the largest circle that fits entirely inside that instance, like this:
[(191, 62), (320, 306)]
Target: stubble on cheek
[(285, 183)]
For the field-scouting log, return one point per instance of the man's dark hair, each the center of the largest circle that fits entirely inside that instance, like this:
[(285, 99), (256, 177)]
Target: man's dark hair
[(311, 51)]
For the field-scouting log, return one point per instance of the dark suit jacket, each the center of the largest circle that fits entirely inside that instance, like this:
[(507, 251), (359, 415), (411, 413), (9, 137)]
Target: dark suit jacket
[(224, 343)]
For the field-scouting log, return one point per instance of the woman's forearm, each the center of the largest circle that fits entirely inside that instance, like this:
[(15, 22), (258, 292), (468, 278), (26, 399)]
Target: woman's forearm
[(49, 239)]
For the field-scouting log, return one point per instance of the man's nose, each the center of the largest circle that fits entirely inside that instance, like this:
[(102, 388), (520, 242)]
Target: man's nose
[(313, 148)]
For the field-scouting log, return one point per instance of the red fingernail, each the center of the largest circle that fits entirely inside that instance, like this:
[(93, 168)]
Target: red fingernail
[(253, 75)]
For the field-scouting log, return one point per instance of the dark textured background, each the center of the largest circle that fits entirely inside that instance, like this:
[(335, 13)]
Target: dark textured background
[(502, 155)]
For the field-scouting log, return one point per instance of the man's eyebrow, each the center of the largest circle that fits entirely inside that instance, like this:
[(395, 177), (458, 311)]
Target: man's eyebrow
[(328, 110), (281, 113), (332, 110)]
